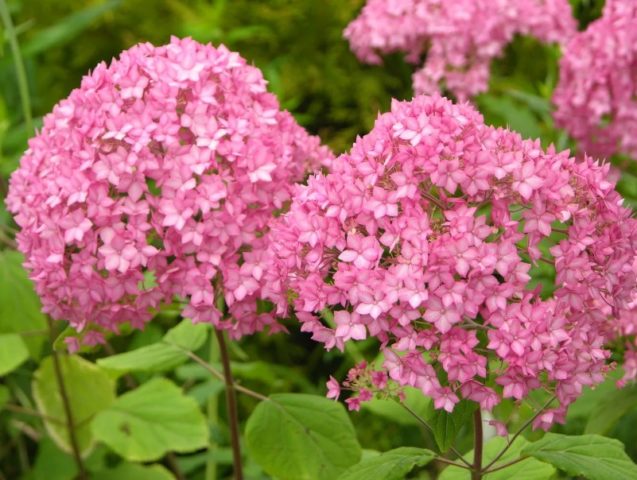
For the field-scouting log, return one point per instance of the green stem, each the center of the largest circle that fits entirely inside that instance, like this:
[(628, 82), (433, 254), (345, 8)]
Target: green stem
[(23, 456), (215, 373), (34, 413), (504, 465), (213, 416), (451, 462), (519, 432), (231, 406), (66, 404), (476, 472), (423, 422), (23, 86)]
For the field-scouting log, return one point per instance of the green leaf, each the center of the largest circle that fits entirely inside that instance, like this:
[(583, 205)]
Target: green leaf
[(607, 413), (540, 105), (592, 397), (19, 305), (131, 471), (528, 469), (514, 115), (162, 356), (604, 405), (446, 426), (13, 352), (204, 391), (392, 465), (187, 335), (59, 344), (298, 436), (393, 411), (89, 390), (153, 358), (5, 395), (146, 423), (67, 28), (590, 456), (52, 464), (277, 376)]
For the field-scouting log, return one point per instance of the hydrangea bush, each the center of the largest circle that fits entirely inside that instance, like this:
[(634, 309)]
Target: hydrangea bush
[(484, 275), (458, 39), (596, 96), (424, 236), (156, 178)]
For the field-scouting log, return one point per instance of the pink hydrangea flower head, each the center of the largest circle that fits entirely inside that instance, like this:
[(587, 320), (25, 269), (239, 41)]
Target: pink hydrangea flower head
[(430, 235), (596, 96), (459, 38), (157, 178)]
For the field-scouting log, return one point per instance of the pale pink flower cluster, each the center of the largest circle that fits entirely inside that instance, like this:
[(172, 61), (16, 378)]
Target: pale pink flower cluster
[(596, 96), (425, 236), (156, 179), (458, 39)]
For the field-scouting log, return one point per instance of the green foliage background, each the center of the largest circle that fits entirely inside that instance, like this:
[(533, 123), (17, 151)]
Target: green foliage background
[(299, 46)]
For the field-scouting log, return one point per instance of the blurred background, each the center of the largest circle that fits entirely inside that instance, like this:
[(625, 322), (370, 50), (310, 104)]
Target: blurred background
[(298, 45)]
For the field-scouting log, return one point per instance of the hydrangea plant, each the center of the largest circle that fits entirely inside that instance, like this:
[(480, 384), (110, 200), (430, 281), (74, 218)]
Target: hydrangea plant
[(458, 39), (156, 179), (596, 96), (425, 235), (481, 271)]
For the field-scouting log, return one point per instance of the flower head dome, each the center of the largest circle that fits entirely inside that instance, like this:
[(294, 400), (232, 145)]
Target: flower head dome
[(459, 38), (486, 266), (156, 178), (596, 96)]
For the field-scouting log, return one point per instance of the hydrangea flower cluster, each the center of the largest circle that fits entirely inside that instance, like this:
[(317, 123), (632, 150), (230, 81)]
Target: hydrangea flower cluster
[(157, 178), (596, 96), (459, 38), (426, 235)]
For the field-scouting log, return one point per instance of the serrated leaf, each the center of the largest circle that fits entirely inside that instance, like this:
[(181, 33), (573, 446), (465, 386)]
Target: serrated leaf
[(299, 436), (13, 352), (590, 456), (146, 423), (529, 469), (391, 465), (131, 471), (446, 426), (19, 305), (162, 356), (89, 390)]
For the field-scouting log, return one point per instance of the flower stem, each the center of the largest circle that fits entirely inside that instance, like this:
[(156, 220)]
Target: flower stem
[(213, 416), (424, 423), (519, 432), (23, 86), (231, 405), (476, 472), (505, 465), (66, 404), (28, 411), (196, 358)]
